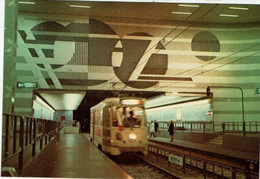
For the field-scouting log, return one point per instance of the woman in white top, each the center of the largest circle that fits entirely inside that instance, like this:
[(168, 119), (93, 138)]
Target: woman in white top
[(152, 129)]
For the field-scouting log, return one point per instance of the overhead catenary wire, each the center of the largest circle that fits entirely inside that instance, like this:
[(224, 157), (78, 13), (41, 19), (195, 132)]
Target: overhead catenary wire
[(176, 27)]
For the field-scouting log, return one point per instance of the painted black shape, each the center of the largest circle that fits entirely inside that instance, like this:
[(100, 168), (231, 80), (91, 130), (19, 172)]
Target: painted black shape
[(160, 46), (41, 66), (49, 81), (98, 27), (33, 52), (100, 51), (143, 34), (164, 78), (207, 42), (118, 49), (78, 27), (48, 53), (81, 82), (55, 66), (49, 26), (157, 64), (43, 41), (133, 52)]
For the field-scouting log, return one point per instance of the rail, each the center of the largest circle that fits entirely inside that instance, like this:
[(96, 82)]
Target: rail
[(184, 162), (200, 126), (20, 133)]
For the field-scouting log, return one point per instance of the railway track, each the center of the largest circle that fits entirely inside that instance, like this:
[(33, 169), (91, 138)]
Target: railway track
[(140, 168), (155, 166)]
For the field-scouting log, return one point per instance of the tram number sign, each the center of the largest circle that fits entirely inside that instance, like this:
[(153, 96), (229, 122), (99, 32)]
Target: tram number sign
[(176, 159)]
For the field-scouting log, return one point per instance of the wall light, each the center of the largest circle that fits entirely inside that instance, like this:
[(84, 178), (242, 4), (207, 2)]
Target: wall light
[(183, 13), (25, 2), (239, 8), (188, 5), (79, 6), (228, 15)]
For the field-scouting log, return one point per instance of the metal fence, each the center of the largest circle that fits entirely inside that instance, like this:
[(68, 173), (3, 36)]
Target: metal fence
[(20, 133), (183, 162), (224, 127)]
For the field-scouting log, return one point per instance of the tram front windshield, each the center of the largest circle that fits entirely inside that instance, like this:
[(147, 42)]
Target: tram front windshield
[(129, 117)]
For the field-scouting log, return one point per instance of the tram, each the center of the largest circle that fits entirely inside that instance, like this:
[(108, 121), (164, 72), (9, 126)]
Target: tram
[(118, 125)]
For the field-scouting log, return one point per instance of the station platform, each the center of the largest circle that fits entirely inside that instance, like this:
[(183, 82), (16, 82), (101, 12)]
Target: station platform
[(73, 156)]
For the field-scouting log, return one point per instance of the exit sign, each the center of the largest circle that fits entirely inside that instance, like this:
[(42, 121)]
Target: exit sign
[(27, 85), (257, 90)]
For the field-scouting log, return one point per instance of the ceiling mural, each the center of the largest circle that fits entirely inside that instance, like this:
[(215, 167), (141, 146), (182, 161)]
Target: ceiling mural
[(102, 54)]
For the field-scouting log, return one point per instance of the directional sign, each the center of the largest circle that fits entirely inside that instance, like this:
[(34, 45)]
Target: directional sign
[(27, 84)]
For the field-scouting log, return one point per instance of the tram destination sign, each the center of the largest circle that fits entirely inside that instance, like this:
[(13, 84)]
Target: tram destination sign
[(27, 85)]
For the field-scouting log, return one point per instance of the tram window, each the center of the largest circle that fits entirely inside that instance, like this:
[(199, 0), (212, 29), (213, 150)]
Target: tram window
[(132, 117), (114, 118)]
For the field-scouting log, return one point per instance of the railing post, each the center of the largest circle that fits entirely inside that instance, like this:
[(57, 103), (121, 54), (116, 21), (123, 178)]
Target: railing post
[(14, 134), (26, 132), (233, 174), (223, 127), (204, 170), (6, 136), (34, 138), (21, 144)]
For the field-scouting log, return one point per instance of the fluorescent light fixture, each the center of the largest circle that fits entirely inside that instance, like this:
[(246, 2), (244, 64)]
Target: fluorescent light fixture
[(183, 13), (188, 5), (184, 104), (80, 6), (228, 15), (25, 2), (239, 8)]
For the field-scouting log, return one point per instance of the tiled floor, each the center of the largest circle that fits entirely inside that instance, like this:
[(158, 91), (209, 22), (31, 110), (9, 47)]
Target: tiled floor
[(73, 157)]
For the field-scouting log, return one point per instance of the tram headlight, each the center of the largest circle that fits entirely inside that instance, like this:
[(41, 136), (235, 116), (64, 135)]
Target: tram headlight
[(132, 136)]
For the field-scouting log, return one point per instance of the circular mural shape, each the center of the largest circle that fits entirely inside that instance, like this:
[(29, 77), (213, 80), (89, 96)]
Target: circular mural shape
[(127, 55), (206, 42)]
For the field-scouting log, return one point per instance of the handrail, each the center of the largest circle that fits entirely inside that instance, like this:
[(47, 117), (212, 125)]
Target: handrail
[(209, 126), (20, 133)]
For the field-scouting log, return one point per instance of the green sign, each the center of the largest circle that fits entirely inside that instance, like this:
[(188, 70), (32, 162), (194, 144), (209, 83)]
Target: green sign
[(27, 84)]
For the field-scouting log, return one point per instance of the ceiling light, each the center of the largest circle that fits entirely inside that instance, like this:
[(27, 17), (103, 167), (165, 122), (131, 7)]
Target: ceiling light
[(239, 8), (24, 2), (79, 6), (184, 13), (228, 15), (188, 5)]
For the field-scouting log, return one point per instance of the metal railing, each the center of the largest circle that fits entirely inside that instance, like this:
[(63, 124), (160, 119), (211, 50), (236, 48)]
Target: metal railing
[(224, 127), (176, 161), (20, 133)]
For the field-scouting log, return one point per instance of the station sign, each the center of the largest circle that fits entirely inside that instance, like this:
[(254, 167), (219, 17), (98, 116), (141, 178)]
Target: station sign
[(176, 159), (27, 85)]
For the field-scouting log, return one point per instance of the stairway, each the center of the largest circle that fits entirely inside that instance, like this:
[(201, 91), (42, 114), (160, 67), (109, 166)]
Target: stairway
[(216, 140)]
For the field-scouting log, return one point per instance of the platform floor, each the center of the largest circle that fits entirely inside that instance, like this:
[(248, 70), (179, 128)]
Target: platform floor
[(74, 156)]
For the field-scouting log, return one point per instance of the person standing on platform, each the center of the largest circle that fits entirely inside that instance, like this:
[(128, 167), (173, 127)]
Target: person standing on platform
[(152, 129), (171, 130), (156, 125)]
